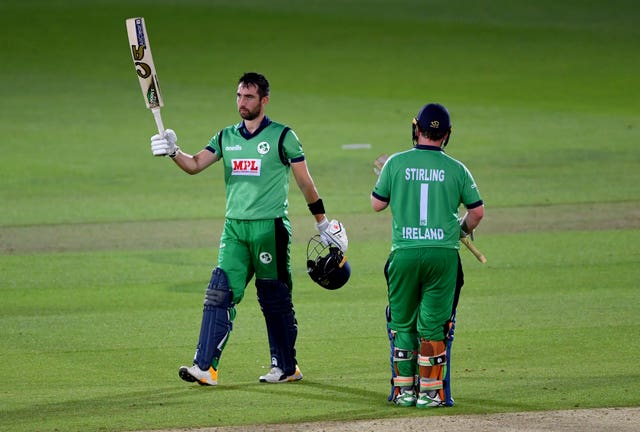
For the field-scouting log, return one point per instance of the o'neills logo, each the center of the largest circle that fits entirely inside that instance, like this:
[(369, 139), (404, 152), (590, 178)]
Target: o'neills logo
[(246, 167)]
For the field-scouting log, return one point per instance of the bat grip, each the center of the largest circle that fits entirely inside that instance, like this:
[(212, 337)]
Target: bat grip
[(158, 119)]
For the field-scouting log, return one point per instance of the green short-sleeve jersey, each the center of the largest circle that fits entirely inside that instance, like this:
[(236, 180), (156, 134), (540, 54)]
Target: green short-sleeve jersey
[(425, 187), (256, 169)]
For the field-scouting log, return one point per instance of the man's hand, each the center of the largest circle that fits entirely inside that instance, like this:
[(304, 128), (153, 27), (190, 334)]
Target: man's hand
[(165, 144), (333, 233), (464, 230), (379, 163)]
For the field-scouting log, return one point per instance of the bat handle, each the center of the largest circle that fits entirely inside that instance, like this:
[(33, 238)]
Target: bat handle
[(474, 250), (158, 119)]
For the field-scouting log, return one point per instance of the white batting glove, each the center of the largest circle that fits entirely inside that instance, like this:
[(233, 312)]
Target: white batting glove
[(165, 144), (333, 233)]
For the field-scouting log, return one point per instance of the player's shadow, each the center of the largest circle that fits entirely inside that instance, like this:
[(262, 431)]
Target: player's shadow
[(314, 390)]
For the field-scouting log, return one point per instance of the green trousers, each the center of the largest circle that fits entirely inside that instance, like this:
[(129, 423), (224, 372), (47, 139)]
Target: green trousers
[(421, 287), (255, 247)]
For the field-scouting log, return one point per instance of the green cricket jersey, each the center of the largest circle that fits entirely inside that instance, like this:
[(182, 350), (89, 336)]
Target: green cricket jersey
[(425, 187), (256, 168)]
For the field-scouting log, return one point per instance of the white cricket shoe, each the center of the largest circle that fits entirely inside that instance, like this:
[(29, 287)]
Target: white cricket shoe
[(405, 398), (425, 400), (195, 374), (276, 375)]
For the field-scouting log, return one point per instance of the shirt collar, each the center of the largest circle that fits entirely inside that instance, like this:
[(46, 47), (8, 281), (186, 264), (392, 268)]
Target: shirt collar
[(428, 147), (266, 121)]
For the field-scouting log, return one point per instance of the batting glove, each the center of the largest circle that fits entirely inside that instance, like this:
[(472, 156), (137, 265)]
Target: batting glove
[(464, 229), (379, 163), (333, 233), (165, 144)]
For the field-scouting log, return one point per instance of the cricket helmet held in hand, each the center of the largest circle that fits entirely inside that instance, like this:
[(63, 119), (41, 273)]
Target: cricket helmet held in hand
[(327, 265)]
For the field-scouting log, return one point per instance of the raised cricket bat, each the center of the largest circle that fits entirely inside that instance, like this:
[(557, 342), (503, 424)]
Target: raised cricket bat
[(145, 68), (473, 249)]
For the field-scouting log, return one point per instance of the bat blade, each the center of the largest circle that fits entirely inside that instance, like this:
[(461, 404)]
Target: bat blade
[(474, 250), (145, 67)]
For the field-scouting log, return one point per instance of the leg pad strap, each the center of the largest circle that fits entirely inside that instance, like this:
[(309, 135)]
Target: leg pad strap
[(437, 360), (404, 381), (402, 355), (427, 384)]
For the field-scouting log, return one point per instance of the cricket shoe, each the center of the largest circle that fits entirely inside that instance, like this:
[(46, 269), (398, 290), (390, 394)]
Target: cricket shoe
[(427, 401), (195, 374), (276, 375), (406, 398)]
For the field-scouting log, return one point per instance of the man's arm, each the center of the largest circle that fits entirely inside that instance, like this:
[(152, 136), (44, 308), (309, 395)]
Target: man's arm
[(165, 144), (377, 204), (193, 164), (331, 232), (306, 185), (472, 219)]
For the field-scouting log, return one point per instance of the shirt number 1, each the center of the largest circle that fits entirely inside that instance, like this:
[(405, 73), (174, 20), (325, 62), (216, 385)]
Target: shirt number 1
[(424, 203)]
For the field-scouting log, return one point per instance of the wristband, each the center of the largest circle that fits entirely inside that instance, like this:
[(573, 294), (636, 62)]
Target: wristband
[(316, 207)]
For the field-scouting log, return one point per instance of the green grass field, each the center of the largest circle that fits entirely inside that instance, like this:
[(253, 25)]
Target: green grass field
[(105, 251)]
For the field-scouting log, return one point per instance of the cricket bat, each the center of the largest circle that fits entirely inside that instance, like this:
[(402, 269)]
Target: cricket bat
[(473, 249), (145, 68)]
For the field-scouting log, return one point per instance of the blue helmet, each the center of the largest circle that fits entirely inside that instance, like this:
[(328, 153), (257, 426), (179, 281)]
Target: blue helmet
[(433, 120), (327, 265)]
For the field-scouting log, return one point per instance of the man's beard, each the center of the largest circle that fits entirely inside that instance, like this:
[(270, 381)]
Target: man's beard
[(250, 115)]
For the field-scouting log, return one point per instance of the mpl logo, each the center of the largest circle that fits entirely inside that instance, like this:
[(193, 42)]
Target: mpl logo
[(246, 167)]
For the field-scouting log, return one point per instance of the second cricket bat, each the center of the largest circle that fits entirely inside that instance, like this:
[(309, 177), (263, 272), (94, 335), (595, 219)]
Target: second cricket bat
[(145, 68)]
